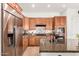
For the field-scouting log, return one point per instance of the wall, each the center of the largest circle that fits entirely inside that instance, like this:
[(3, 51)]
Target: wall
[(72, 28), (42, 14)]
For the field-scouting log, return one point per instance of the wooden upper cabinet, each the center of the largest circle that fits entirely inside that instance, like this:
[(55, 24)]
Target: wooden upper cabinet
[(47, 22), (32, 23), (51, 24), (26, 23), (63, 21), (57, 21), (38, 21), (44, 21), (60, 20)]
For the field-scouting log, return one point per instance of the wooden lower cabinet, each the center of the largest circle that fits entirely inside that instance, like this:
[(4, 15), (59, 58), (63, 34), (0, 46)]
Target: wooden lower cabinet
[(59, 47), (37, 41), (34, 41), (25, 42)]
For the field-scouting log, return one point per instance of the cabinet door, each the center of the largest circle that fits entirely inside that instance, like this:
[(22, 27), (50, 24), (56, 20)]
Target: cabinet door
[(60, 21), (32, 41), (47, 22), (63, 20), (32, 23), (44, 21), (57, 21), (26, 24), (38, 21), (25, 42), (37, 41), (52, 23)]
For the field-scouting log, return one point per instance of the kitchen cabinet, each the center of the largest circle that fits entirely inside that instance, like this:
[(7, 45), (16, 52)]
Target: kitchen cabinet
[(63, 21), (32, 23), (60, 20), (26, 23), (37, 41), (47, 22), (39, 21), (44, 21), (59, 47), (25, 42), (57, 21), (34, 41), (50, 24)]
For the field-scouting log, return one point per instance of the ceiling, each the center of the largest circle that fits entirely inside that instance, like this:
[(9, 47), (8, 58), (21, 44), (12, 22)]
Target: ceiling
[(43, 7)]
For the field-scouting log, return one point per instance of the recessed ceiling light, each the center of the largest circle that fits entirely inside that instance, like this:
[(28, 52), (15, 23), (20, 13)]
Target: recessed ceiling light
[(33, 5), (48, 5)]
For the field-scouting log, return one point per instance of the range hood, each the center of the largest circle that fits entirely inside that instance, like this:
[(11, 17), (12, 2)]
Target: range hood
[(40, 25)]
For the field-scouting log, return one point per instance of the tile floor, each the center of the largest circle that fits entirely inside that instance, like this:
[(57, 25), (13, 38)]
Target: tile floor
[(31, 51), (34, 51)]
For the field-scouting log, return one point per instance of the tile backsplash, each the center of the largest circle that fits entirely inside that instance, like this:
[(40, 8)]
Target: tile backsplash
[(34, 31)]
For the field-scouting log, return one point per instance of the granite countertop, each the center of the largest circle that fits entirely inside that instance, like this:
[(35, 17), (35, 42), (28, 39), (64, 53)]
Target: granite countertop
[(34, 32)]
